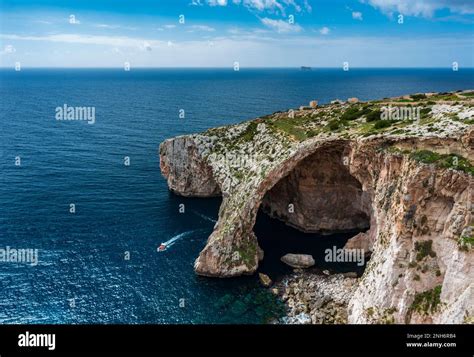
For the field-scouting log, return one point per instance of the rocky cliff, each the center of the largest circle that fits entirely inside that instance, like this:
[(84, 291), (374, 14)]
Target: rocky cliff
[(407, 184)]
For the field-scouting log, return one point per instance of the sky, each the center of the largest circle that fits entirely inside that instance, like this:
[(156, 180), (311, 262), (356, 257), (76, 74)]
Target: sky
[(253, 33)]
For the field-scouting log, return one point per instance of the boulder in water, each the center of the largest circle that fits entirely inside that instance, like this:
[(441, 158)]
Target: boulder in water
[(298, 260), (265, 280)]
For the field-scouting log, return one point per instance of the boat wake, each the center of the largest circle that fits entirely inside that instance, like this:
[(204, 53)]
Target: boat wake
[(206, 218), (169, 243)]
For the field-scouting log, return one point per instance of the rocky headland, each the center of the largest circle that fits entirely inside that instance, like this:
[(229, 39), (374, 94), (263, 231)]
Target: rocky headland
[(404, 181)]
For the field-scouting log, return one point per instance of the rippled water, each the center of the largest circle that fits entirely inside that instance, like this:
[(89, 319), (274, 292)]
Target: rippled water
[(83, 276)]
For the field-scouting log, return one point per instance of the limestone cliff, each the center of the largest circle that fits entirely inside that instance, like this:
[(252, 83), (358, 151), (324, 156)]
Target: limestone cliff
[(407, 184)]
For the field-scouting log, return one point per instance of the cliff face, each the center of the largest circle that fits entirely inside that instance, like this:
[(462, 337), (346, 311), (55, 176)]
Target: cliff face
[(188, 173), (409, 186), (417, 271), (320, 195)]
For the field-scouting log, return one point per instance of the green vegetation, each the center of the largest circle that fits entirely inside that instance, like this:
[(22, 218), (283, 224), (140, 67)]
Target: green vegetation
[(247, 254), (348, 121), (354, 113), (333, 125), (370, 311), (312, 132), (381, 124), (424, 249), (427, 302), (374, 115), (293, 127), (425, 111), (249, 132), (382, 316), (418, 96), (466, 242), (445, 97), (447, 161)]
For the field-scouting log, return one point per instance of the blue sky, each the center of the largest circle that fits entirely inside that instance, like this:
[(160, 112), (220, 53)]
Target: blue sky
[(255, 33)]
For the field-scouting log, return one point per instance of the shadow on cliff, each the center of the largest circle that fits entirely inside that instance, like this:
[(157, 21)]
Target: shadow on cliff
[(277, 239)]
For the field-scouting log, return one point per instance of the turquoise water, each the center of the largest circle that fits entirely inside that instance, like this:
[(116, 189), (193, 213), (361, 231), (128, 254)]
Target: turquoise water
[(83, 276)]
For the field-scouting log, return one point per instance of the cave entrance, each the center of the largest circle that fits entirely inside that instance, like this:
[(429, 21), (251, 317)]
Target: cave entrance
[(318, 205)]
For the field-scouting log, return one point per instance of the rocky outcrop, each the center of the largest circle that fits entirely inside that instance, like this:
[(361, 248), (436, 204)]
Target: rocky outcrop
[(188, 174), (265, 280), (408, 186), (419, 212), (314, 298), (298, 260)]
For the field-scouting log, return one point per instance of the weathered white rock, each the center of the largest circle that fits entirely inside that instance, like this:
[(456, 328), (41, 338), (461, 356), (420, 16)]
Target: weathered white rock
[(298, 260)]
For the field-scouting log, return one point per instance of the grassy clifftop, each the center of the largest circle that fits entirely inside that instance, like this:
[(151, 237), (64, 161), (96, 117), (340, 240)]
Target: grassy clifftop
[(254, 145)]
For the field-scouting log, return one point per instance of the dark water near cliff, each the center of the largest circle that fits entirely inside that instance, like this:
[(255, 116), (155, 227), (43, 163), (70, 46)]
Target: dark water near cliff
[(123, 209)]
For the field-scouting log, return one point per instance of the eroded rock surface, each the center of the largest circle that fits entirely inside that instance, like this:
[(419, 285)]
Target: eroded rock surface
[(298, 260), (410, 184), (188, 174), (315, 298)]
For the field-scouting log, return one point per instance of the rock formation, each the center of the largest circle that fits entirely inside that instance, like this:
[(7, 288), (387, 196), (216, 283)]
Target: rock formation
[(408, 185), (298, 260)]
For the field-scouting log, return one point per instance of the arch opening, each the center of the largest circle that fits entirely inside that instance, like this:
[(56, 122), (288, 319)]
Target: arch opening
[(317, 206)]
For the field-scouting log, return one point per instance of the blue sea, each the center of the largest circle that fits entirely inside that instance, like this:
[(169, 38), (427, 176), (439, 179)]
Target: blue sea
[(83, 274)]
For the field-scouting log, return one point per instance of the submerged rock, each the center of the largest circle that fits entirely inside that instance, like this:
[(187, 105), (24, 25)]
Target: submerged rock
[(298, 260)]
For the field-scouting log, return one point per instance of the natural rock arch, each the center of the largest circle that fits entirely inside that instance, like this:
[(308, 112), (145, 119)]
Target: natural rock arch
[(412, 204), (234, 230)]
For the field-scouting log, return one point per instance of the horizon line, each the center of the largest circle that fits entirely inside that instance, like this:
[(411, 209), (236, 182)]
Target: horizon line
[(231, 67)]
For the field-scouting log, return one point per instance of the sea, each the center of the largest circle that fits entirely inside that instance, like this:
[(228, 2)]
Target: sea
[(90, 198)]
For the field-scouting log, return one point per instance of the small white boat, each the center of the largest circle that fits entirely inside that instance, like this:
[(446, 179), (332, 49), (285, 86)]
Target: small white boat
[(162, 247)]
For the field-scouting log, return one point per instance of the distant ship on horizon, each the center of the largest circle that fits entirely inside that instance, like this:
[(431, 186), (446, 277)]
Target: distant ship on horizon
[(305, 68)]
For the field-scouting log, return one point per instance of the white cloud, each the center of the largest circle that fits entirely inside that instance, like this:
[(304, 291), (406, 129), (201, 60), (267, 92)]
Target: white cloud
[(115, 41), (114, 27), (146, 46), (423, 8), (356, 15), (324, 30), (280, 26), (166, 27), (203, 28), (105, 26), (264, 5), (217, 2), (9, 49), (275, 6), (259, 51)]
